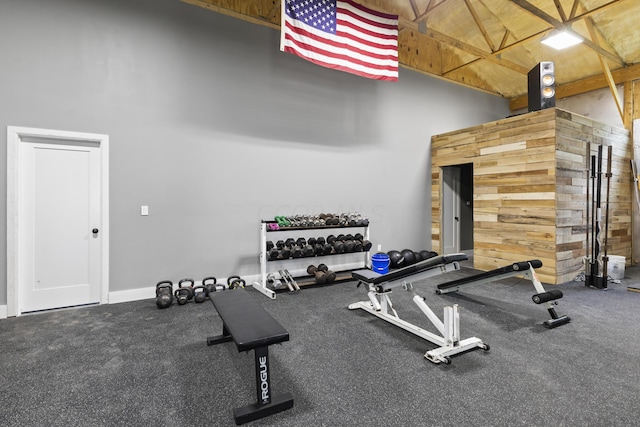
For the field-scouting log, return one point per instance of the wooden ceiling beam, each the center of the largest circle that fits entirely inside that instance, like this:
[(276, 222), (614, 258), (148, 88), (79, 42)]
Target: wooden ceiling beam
[(505, 38), (602, 39), (524, 4), (488, 56), (574, 9), (560, 9), (414, 7), (539, 13), (234, 13), (585, 85), (430, 8), (479, 24), (592, 11), (606, 70)]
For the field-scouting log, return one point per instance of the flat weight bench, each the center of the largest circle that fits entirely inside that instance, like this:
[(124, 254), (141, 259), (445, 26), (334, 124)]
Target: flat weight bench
[(379, 304), (251, 328), (524, 268)]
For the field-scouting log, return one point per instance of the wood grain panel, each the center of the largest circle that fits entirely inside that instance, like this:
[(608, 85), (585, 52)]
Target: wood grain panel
[(529, 189)]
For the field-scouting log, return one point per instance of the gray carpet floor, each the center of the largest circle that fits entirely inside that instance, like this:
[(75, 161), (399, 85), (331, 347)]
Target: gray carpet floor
[(132, 364)]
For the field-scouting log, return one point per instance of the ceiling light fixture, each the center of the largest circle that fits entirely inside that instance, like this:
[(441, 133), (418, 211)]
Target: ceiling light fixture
[(562, 39)]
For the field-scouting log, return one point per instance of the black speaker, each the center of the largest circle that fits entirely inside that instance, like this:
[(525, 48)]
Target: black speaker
[(542, 87)]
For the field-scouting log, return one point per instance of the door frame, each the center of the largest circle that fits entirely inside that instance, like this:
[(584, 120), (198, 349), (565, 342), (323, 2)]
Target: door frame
[(15, 136), (455, 197)]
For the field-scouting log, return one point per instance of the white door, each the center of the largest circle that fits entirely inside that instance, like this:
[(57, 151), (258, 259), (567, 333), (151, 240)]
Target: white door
[(60, 224), (450, 226)]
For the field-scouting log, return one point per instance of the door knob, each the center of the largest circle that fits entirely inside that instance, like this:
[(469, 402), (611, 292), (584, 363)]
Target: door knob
[(95, 231)]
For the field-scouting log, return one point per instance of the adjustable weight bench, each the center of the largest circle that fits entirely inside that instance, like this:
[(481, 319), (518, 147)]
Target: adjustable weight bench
[(251, 328), (379, 304), (526, 269)]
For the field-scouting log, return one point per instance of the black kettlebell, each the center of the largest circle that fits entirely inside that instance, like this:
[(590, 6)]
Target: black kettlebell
[(189, 287), (164, 294), (235, 282), (182, 295), (211, 287), (200, 294)]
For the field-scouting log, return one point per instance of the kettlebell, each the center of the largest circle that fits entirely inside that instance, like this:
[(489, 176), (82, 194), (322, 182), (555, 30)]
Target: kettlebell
[(182, 295), (164, 294), (235, 282), (189, 287), (211, 287), (200, 294)]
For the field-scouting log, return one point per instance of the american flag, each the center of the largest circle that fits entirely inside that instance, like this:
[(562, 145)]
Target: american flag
[(342, 35)]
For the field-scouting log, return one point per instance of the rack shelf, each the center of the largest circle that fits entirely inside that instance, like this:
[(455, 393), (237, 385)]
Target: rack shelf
[(341, 264)]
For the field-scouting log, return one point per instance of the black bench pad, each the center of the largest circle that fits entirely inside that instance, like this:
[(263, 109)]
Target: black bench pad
[(516, 268), (247, 322), (372, 277)]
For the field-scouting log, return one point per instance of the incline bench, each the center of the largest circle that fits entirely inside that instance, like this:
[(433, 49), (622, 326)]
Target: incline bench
[(251, 328), (527, 270), (379, 304)]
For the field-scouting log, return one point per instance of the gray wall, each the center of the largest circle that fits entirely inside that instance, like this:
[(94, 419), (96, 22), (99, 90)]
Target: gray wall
[(214, 128)]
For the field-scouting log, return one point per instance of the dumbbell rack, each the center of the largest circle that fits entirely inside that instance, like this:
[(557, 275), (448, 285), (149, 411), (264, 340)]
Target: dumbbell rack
[(341, 264)]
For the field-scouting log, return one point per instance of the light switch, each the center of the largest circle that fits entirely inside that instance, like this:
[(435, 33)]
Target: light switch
[(144, 210)]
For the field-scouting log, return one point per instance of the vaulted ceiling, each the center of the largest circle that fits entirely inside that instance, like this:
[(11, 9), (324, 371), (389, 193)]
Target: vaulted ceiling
[(491, 45)]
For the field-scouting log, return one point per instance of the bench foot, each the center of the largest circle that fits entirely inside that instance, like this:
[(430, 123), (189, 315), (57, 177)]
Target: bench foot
[(256, 411)]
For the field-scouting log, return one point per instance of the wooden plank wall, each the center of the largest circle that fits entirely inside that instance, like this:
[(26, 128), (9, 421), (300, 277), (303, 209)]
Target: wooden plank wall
[(530, 178)]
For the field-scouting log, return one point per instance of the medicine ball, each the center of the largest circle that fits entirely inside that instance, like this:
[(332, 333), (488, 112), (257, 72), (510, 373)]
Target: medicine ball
[(396, 260), (409, 257)]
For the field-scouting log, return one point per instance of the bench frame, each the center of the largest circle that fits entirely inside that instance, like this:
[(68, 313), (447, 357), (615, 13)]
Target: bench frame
[(266, 404), (525, 269), (380, 305)]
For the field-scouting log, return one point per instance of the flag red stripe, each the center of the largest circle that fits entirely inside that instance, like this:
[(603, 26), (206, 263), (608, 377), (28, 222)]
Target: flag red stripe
[(393, 55), (371, 43), (370, 11), (332, 54), (370, 22), (344, 68)]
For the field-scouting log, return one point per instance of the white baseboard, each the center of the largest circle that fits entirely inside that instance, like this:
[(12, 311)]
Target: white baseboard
[(131, 295), (3, 311)]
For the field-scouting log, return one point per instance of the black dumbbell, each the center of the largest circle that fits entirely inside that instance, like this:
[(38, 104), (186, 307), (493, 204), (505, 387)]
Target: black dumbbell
[(349, 246), (312, 241), (296, 252), (280, 244), (301, 241), (338, 247), (327, 249), (321, 240), (189, 287), (331, 239), (318, 249), (366, 245), (270, 245), (200, 294), (164, 294), (290, 242), (273, 254), (285, 253), (307, 251)]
